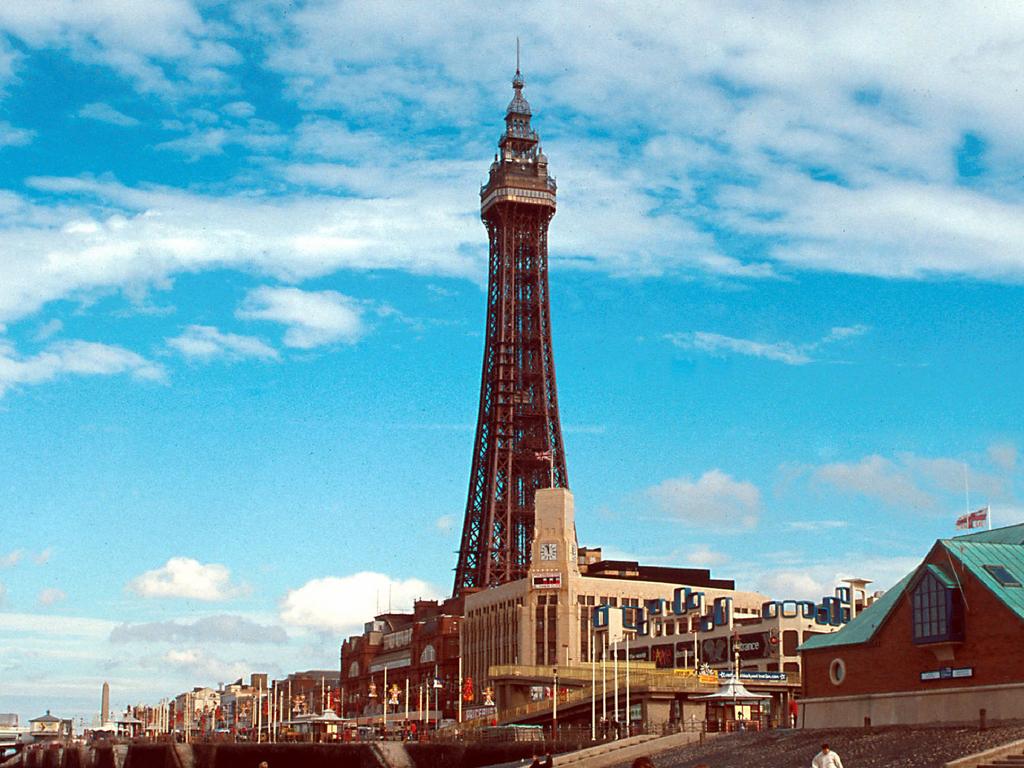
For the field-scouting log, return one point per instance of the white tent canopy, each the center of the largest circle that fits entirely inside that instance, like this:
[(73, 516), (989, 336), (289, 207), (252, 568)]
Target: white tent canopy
[(732, 690)]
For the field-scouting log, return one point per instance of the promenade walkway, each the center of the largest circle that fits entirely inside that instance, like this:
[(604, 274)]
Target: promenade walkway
[(889, 747)]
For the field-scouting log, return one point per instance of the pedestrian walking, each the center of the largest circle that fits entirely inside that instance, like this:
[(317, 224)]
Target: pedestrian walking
[(826, 759)]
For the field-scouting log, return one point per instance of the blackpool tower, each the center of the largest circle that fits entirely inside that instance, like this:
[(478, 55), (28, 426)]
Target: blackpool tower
[(518, 446)]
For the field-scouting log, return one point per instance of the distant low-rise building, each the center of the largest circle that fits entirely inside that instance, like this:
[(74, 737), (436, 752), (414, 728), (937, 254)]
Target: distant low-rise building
[(942, 645), (301, 694), (51, 728), (195, 711)]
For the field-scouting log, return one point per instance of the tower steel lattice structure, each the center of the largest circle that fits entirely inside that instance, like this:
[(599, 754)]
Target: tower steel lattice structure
[(518, 446)]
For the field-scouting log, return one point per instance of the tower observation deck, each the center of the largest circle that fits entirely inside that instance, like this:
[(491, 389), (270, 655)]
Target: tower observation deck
[(518, 446)]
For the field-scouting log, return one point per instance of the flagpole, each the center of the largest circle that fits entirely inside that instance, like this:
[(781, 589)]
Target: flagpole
[(593, 680), (615, 683), (460, 689), (628, 723), (604, 680), (967, 493)]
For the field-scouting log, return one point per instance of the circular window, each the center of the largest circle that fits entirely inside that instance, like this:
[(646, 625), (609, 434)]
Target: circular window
[(837, 671)]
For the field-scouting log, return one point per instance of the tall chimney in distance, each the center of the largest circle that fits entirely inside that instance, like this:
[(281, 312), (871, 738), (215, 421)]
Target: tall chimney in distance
[(105, 704)]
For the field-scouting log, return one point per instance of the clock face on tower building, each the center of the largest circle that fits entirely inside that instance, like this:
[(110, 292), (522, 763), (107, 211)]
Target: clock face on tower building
[(548, 551)]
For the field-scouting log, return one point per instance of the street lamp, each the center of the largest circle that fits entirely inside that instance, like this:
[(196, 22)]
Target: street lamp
[(554, 703)]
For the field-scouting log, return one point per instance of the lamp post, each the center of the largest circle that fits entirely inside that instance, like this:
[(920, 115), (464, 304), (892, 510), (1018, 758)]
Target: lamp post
[(554, 703), (735, 677)]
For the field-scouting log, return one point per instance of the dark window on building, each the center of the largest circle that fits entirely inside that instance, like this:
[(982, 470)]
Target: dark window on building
[(1002, 574), (936, 612), (789, 642)]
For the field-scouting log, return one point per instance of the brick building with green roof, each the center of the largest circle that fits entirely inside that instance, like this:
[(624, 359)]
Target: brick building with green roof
[(942, 645)]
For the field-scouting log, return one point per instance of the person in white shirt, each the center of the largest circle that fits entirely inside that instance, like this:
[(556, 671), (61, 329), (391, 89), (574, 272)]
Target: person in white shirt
[(826, 759)]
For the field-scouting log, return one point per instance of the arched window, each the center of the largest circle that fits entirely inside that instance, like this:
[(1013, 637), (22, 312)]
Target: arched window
[(428, 655), (353, 669)]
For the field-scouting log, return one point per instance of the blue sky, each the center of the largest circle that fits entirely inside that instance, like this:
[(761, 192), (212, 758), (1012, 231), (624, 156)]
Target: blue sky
[(241, 306)]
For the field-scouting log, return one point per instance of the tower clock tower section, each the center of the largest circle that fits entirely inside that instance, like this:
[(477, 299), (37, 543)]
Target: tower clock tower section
[(554, 570)]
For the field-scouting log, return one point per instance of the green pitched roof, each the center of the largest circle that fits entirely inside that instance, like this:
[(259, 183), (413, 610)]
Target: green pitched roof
[(1002, 546), (975, 555), (1011, 534), (939, 574), (862, 628)]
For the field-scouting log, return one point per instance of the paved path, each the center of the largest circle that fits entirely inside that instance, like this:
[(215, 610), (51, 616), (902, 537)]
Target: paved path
[(893, 747)]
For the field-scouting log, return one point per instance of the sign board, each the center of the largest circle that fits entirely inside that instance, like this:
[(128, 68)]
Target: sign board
[(948, 673), (547, 581), (663, 656), (762, 677), (754, 645)]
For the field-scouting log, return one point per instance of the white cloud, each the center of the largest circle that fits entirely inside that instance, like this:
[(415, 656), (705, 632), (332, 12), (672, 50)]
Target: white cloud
[(36, 625), (816, 525), (43, 557), (841, 332), (12, 558), (314, 318), (105, 113), (910, 480), (198, 665), (48, 329), (81, 358), (796, 125), (162, 46), (715, 500), (14, 137), (703, 556), (794, 585), (257, 135), (51, 596), (204, 342), (3, 594), (239, 109), (714, 343), (223, 628), (445, 523), (187, 578), (878, 478), (781, 351), (120, 237), (1003, 455), (343, 604), (816, 579)]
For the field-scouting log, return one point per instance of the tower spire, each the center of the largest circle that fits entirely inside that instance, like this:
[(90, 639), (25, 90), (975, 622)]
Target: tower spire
[(517, 54)]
